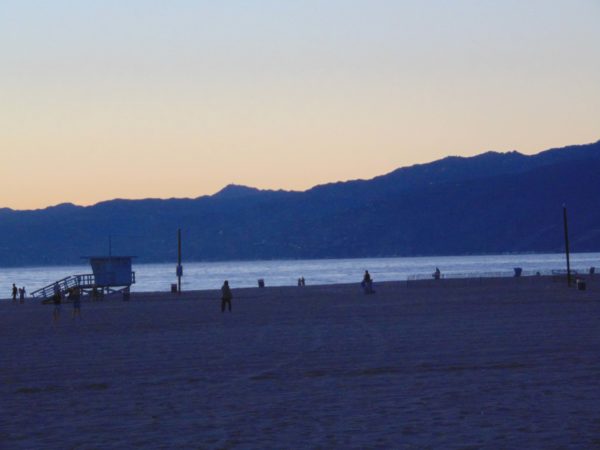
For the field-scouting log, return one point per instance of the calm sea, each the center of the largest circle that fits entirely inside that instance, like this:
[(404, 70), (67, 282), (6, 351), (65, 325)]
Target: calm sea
[(210, 275)]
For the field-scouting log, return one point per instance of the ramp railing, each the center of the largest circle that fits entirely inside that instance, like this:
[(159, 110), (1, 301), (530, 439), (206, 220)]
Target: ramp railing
[(83, 281), (64, 285)]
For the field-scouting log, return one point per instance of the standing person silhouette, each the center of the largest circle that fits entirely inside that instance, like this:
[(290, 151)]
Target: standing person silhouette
[(226, 296), (367, 283), (15, 291), (56, 299), (76, 296)]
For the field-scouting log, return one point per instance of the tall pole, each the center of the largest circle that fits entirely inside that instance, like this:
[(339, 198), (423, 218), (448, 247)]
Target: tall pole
[(179, 268), (567, 245)]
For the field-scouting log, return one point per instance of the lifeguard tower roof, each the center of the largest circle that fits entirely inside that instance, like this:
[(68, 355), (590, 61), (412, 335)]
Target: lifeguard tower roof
[(112, 270)]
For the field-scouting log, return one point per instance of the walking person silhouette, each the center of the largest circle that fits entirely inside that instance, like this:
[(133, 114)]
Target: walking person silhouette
[(226, 296), (75, 295)]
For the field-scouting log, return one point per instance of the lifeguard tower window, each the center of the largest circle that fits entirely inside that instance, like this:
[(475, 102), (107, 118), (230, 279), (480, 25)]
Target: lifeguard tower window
[(112, 270)]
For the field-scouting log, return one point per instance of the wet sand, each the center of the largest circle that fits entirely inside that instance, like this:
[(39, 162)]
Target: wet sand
[(496, 363)]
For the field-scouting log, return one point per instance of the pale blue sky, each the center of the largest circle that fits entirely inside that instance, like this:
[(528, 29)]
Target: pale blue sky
[(180, 98)]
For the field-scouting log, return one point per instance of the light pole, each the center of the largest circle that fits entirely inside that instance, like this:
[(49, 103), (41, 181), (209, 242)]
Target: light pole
[(179, 266), (567, 244)]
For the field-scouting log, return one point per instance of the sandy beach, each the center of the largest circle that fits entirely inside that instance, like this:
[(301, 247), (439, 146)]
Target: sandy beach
[(493, 363)]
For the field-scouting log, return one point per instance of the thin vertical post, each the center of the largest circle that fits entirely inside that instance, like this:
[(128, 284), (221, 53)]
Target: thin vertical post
[(567, 245), (179, 268)]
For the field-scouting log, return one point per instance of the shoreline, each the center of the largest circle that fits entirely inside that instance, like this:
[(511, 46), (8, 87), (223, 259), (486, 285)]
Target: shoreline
[(203, 276), (296, 291)]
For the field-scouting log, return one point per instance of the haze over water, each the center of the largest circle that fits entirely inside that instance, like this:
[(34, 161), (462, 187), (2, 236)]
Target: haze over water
[(210, 275)]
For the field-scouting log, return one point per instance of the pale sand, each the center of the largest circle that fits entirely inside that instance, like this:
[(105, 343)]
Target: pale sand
[(512, 363)]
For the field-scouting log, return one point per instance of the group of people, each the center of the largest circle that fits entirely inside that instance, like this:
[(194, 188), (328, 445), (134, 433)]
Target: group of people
[(74, 295), (18, 291)]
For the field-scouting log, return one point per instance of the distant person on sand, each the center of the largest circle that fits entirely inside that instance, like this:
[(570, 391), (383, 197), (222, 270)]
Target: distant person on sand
[(75, 295), (56, 299), (226, 296), (14, 292), (367, 283), (437, 274), (22, 295)]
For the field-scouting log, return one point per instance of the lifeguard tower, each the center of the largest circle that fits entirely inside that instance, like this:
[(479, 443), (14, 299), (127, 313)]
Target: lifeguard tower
[(110, 275)]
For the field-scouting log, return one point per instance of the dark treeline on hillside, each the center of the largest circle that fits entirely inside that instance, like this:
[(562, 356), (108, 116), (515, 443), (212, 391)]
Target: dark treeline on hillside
[(490, 203)]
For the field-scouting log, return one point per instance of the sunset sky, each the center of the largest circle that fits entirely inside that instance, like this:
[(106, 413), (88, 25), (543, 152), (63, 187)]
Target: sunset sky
[(147, 98)]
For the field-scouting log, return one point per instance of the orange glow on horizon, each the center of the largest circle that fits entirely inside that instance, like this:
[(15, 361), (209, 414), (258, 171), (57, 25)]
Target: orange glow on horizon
[(180, 100)]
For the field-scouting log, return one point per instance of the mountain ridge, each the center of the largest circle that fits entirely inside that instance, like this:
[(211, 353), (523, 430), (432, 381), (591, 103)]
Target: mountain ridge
[(489, 203)]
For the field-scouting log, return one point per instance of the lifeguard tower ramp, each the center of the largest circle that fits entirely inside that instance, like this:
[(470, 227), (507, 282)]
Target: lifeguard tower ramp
[(110, 274)]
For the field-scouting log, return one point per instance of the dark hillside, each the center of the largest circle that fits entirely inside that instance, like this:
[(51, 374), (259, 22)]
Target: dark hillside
[(489, 203)]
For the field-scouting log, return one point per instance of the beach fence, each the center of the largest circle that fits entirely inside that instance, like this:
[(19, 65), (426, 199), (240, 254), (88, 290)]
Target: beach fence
[(474, 277)]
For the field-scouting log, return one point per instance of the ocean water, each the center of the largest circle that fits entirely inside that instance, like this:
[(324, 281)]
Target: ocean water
[(210, 275)]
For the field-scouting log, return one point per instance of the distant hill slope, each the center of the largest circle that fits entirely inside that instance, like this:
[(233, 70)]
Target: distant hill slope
[(490, 203)]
